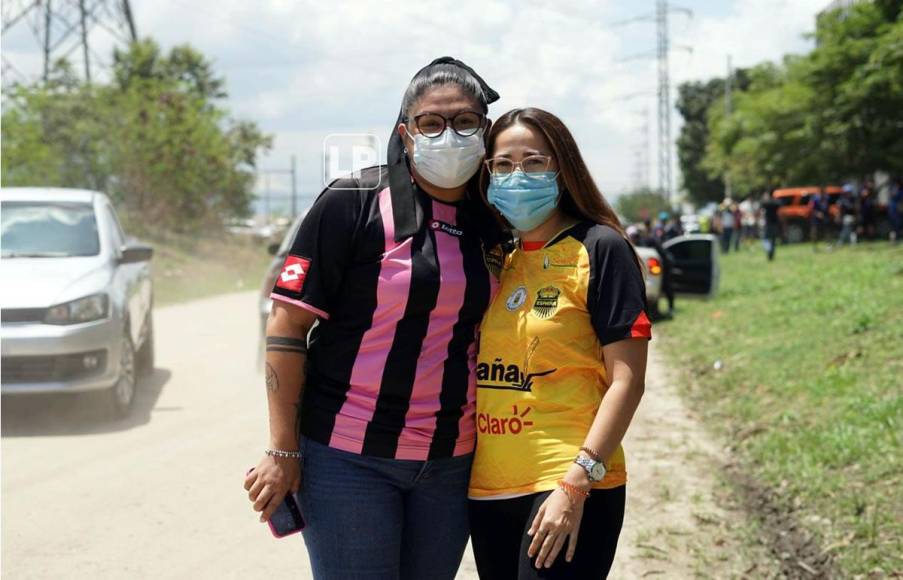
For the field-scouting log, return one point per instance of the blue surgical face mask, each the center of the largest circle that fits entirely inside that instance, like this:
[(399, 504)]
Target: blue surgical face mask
[(526, 200)]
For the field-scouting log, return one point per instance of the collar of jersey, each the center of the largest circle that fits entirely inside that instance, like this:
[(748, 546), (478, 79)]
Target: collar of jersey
[(563, 233)]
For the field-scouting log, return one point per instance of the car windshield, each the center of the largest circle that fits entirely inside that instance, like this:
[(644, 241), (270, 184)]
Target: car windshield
[(47, 229)]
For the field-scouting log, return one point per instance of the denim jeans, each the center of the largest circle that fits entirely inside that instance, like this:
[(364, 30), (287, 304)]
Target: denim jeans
[(387, 519)]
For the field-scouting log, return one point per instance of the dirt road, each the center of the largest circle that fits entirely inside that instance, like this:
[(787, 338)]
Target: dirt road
[(159, 495)]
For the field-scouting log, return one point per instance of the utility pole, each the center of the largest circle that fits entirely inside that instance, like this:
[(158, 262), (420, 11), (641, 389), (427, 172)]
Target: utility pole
[(728, 107), (294, 186), (291, 172), (266, 198)]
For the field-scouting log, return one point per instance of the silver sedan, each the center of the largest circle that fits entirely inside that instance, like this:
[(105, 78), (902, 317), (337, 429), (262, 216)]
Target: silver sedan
[(76, 297)]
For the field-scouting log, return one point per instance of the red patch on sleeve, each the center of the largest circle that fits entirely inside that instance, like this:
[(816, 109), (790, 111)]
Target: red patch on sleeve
[(294, 270), (642, 327)]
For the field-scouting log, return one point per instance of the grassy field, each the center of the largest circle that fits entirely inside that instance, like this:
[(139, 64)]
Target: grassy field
[(809, 388), (186, 269)]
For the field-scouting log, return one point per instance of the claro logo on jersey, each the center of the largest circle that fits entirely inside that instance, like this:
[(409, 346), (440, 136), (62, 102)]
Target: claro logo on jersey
[(509, 425), (294, 270)]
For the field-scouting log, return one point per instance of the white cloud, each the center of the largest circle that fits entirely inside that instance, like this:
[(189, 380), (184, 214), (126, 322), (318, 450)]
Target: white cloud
[(309, 68)]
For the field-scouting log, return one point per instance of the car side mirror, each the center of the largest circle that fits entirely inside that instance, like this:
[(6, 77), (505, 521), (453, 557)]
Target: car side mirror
[(134, 253), (273, 248)]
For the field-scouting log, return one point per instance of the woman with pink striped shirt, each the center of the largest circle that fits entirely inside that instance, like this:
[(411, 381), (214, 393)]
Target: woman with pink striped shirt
[(374, 405)]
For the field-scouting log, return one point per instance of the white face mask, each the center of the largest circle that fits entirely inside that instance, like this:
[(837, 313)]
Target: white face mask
[(449, 160)]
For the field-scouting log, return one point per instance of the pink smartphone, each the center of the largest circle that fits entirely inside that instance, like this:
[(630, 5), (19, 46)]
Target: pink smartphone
[(287, 519)]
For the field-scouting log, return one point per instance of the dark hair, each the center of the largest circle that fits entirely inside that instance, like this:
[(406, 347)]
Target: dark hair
[(580, 197), (439, 75)]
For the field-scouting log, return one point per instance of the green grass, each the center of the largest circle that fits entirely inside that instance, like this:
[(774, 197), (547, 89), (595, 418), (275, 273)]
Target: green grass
[(811, 390), (188, 269)]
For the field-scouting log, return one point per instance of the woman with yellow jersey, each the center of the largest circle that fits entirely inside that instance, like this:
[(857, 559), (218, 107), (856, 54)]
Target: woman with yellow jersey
[(561, 363)]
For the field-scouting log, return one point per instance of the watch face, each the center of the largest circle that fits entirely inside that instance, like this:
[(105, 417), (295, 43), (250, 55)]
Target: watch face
[(598, 471)]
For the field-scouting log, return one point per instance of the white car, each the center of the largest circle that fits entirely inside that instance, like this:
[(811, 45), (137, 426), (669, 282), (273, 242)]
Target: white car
[(76, 297)]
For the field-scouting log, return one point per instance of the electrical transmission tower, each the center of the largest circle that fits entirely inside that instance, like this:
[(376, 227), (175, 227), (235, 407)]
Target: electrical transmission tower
[(663, 9), (61, 27), (641, 175), (663, 48)]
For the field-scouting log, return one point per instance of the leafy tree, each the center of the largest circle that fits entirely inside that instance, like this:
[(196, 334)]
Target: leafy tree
[(855, 74), (830, 115), (694, 99), (641, 205), (768, 140), (891, 10), (184, 66), (53, 134), (155, 139)]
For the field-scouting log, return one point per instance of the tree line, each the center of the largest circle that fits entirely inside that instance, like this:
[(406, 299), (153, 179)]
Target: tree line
[(831, 115), (156, 137)]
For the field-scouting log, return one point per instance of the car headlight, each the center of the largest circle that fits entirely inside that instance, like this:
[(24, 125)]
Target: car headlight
[(94, 307)]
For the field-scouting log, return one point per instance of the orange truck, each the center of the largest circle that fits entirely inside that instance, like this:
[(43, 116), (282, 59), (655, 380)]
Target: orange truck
[(795, 212)]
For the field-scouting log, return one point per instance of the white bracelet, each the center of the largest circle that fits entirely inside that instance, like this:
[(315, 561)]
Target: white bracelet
[(281, 453)]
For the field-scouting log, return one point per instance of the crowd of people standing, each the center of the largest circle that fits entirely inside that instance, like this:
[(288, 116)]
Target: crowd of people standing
[(842, 218)]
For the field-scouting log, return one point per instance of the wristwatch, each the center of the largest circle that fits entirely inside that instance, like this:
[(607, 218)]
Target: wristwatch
[(595, 470)]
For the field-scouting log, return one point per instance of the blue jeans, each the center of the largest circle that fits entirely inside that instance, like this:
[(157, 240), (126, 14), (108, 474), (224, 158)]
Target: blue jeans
[(387, 519)]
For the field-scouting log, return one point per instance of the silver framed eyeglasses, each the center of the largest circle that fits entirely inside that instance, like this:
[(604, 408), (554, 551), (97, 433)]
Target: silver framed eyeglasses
[(529, 164)]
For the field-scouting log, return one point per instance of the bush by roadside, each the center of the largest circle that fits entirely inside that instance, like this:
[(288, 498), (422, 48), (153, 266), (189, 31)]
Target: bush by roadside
[(186, 268)]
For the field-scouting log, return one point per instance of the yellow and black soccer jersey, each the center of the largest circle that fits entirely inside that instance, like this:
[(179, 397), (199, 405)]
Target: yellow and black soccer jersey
[(540, 372)]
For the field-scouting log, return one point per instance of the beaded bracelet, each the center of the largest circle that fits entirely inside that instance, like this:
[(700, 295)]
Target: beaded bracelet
[(593, 454), (284, 454), (572, 490)]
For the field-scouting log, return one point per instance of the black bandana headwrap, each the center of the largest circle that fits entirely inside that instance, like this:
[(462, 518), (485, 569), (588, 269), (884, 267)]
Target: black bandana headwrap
[(403, 203)]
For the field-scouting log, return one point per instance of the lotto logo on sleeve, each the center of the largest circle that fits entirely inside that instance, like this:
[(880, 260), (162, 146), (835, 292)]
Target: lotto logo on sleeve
[(293, 273)]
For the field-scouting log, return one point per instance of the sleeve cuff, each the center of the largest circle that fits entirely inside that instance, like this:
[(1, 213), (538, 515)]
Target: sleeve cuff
[(322, 314), (641, 328)]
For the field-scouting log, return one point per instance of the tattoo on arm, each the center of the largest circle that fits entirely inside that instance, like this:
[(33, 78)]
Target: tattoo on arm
[(286, 344), (272, 379)]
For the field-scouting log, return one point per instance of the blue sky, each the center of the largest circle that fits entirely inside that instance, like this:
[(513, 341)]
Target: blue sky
[(307, 69)]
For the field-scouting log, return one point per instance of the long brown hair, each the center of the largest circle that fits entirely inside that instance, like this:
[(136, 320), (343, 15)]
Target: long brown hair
[(580, 198)]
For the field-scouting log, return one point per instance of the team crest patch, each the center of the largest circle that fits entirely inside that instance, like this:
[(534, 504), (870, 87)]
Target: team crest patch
[(294, 270), (546, 301), (517, 298)]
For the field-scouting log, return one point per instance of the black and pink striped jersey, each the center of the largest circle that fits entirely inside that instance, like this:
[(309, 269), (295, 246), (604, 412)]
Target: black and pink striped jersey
[(392, 358)]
